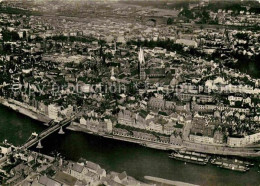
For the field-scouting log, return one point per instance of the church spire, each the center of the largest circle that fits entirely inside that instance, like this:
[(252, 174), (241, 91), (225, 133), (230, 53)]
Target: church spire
[(141, 56), (142, 73)]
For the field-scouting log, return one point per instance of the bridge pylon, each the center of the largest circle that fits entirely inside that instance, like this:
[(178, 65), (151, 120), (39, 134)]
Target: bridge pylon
[(39, 146), (61, 131)]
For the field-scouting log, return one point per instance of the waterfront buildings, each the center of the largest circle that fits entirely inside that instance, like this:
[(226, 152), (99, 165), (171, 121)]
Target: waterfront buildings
[(243, 141), (170, 82)]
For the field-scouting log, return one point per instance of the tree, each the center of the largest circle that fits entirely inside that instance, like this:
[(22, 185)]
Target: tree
[(186, 13), (10, 36), (24, 34)]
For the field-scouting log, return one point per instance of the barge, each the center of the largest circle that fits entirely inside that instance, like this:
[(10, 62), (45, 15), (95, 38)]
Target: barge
[(231, 164), (188, 158)]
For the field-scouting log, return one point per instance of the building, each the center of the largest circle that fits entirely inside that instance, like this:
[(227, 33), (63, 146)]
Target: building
[(144, 136), (201, 132), (164, 139), (140, 120), (156, 103), (109, 125), (149, 72), (83, 121), (243, 141), (187, 42), (199, 97), (78, 171), (96, 124), (43, 108), (155, 72), (212, 108), (67, 111), (53, 111), (176, 140), (234, 98), (96, 169), (126, 117), (218, 137), (120, 132), (45, 181), (120, 178), (168, 129), (5, 148), (202, 139), (157, 127)]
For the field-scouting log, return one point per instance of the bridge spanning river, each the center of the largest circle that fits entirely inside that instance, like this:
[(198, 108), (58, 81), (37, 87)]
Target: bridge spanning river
[(53, 128)]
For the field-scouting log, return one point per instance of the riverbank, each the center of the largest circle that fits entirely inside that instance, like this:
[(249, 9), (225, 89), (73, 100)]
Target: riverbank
[(118, 155), (190, 146), (204, 148), (55, 170), (25, 110)]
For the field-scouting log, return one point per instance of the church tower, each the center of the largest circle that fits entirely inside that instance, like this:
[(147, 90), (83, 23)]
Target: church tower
[(142, 73), (112, 74)]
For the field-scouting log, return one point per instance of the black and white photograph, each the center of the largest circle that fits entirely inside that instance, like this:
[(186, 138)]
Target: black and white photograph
[(130, 92)]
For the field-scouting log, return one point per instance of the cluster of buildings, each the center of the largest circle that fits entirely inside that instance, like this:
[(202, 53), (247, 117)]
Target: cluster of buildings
[(97, 69), (34, 169), (241, 18)]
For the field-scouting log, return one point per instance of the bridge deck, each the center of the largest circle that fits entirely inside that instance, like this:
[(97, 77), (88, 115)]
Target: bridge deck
[(46, 133)]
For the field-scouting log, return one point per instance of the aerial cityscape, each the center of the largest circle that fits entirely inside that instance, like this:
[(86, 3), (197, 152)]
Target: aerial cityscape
[(120, 92)]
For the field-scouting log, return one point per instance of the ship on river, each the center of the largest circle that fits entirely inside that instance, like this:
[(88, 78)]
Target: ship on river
[(197, 154), (190, 157), (232, 164)]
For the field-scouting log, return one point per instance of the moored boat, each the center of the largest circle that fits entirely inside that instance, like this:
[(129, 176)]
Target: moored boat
[(195, 154), (188, 158), (231, 164), (234, 167), (246, 163)]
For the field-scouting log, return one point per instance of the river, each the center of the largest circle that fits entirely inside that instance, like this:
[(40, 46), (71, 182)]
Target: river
[(119, 156)]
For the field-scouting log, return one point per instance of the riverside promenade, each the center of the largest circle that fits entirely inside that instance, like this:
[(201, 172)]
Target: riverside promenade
[(187, 145)]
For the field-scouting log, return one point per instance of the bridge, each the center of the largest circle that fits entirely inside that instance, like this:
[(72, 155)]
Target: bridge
[(36, 138)]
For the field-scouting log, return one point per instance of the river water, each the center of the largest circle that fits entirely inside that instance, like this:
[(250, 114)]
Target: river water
[(119, 156)]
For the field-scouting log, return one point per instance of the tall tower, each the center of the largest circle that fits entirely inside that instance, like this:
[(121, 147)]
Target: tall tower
[(142, 73), (112, 74)]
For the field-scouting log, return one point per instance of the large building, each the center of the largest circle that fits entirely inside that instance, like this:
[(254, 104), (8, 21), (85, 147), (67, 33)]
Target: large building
[(149, 72), (201, 131), (53, 111), (243, 141)]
